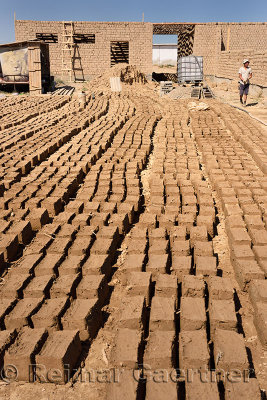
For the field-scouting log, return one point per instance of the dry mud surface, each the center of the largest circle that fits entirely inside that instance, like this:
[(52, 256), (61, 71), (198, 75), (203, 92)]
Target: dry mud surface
[(133, 248)]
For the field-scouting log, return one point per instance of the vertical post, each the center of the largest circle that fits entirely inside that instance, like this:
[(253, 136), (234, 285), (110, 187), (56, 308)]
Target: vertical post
[(143, 17), (228, 38)]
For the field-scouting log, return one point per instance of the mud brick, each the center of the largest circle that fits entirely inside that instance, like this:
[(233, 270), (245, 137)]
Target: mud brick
[(156, 390), (83, 315), (24, 231), (242, 251), (260, 322), (206, 265), (65, 217), (220, 288), (121, 221), (238, 236), (254, 221), (100, 219), (76, 206), (48, 316), (157, 264), (177, 233), (133, 262), (125, 387), (139, 284), (39, 287), (54, 205), (157, 234), (109, 232), (158, 247), (232, 209), (243, 390), (59, 246), (6, 305), (203, 249), (97, 264), (49, 265), (193, 286), (207, 210), (39, 245), (180, 248), (21, 313), (103, 246), (23, 351), (9, 246), (13, 285), (71, 265), (64, 286), (207, 221), (246, 271), (147, 221), (50, 229), (6, 338), (138, 233), (181, 265), (222, 315), (93, 287), (166, 286), (234, 221), (160, 350), (38, 217), (81, 245), (128, 349), (251, 209), (258, 236), (260, 252), (162, 314), (167, 220), (26, 264), (229, 350), (198, 234), (81, 220), (133, 312), (258, 291), (186, 220), (137, 246), (60, 353), (201, 388), (67, 231), (193, 313), (124, 208), (193, 350)]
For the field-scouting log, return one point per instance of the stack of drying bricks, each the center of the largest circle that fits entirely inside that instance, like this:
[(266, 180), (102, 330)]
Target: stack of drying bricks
[(171, 309), (45, 289), (241, 186)]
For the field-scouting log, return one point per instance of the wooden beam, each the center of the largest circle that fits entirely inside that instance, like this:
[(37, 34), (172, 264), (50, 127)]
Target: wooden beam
[(228, 38)]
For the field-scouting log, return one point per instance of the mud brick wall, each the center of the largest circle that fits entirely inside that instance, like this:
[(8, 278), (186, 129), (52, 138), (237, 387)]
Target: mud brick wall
[(211, 39), (95, 57), (243, 36), (207, 44), (230, 62)]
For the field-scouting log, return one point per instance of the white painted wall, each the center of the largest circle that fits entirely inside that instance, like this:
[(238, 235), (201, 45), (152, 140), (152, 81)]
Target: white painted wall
[(164, 54)]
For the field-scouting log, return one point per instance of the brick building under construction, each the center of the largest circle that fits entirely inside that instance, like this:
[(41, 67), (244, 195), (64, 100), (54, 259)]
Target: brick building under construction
[(82, 50)]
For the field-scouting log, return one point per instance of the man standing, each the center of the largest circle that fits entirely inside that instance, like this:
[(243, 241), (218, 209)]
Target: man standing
[(245, 74)]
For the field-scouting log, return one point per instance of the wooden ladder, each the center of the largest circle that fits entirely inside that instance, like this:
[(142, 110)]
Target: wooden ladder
[(67, 49)]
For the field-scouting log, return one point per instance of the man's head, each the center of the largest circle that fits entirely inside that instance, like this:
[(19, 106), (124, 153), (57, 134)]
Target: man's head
[(246, 62)]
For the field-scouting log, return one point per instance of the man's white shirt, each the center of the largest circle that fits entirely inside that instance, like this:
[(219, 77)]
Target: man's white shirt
[(245, 73)]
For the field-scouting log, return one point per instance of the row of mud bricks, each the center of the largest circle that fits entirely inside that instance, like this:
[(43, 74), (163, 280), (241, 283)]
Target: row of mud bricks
[(108, 236)]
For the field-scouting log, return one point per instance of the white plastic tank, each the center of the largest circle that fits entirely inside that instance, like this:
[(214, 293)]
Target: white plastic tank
[(190, 69)]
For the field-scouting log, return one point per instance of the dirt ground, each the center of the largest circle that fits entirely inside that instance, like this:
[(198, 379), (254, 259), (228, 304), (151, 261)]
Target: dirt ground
[(133, 245)]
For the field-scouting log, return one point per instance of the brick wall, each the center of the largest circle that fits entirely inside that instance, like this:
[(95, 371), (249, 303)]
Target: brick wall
[(95, 57), (207, 44), (209, 40), (230, 61)]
